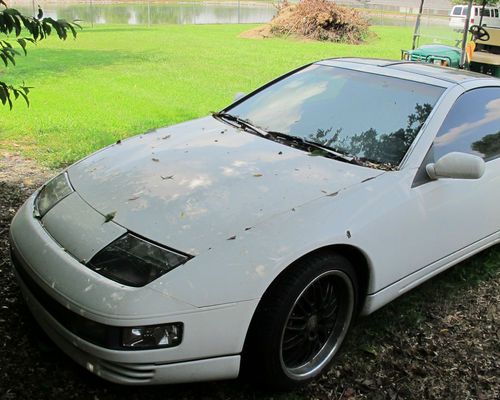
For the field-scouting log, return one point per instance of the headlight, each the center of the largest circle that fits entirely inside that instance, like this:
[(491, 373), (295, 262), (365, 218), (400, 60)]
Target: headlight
[(135, 262), (52, 193)]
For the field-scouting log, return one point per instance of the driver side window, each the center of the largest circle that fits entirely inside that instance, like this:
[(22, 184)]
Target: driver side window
[(472, 125)]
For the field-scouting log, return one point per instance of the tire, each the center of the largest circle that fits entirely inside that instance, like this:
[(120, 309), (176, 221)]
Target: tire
[(301, 322)]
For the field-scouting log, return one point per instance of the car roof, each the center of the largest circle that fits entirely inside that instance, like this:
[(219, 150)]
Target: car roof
[(444, 74)]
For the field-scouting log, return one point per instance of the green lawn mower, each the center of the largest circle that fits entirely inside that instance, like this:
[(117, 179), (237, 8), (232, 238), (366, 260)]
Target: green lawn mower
[(480, 54)]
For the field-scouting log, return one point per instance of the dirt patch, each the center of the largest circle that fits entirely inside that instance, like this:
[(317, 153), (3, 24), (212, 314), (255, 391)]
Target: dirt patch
[(23, 172), (439, 341), (261, 32)]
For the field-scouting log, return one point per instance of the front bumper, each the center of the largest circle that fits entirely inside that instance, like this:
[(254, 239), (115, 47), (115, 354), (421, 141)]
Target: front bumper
[(47, 274)]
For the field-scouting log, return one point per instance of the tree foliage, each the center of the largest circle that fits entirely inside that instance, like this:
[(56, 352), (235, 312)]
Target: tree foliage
[(16, 31), (489, 145), (476, 2), (375, 146)]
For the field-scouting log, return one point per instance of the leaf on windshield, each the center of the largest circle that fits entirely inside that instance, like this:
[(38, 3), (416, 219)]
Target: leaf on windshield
[(109, 217), (318, 152)]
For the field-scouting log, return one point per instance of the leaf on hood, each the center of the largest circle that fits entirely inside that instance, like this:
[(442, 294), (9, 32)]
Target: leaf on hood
[(231, 238), (257, 175), (155, 159), (167, 177)]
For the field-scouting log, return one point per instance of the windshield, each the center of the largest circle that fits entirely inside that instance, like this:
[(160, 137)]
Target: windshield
[(367, 116)]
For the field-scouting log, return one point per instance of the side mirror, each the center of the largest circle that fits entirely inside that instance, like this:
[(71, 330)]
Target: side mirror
[(238, 96), (456, 166)]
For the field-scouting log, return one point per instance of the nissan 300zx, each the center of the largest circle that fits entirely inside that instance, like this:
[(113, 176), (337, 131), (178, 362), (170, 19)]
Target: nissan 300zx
[(247, 241)]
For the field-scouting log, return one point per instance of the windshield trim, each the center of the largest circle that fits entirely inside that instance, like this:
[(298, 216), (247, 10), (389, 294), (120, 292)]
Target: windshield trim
[(261, 88), (435, 110), (387, 70)]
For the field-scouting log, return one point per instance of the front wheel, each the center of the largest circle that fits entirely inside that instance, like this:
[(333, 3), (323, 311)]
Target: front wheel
[(301, 322)]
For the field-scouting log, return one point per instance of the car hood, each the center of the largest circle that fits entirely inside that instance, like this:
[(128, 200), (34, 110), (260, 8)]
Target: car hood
[(193, 184)]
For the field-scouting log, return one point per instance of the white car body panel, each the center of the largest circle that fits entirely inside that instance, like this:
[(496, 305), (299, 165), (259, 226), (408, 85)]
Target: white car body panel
[(87, 234), (205, 183), (375, 301), (127, 368)]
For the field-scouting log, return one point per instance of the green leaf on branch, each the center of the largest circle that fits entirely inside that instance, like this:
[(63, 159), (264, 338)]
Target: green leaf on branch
[(13, 22)]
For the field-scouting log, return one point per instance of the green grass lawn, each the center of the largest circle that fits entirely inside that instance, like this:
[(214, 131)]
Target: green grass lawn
[(117, 81)]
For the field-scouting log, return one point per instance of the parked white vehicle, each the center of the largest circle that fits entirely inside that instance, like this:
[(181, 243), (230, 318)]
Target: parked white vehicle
[(250, 239), (458, 15)]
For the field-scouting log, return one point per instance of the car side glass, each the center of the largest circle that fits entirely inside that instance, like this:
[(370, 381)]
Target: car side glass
[(471, 126)]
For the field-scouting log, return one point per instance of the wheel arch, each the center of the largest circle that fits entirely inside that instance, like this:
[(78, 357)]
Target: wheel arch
[(357, 257)]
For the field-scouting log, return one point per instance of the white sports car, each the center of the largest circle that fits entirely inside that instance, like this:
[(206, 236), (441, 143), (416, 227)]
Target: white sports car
[(248, 240)]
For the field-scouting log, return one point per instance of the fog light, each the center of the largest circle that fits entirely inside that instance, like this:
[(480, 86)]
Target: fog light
[(153, 336)]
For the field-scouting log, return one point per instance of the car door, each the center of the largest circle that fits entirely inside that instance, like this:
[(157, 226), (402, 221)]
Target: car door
[(431, 223), (456, 213)]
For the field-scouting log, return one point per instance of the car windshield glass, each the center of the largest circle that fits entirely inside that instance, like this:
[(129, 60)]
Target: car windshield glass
[(367, 116)]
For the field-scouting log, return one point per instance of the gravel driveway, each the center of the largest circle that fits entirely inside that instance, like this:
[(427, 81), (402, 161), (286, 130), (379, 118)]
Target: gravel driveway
[(441, 341)]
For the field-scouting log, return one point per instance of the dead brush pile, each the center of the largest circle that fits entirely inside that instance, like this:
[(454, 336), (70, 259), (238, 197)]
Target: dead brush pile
[(320, 20)]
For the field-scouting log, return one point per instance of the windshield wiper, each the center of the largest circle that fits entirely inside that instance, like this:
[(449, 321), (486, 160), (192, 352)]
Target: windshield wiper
[(309, 144), (240, 122), (299, 142)]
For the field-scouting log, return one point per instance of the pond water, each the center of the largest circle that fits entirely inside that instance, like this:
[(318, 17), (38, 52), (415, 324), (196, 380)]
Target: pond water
[(191, 12), (157, 13)]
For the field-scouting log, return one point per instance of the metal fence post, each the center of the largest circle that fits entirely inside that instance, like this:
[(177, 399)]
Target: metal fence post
[(149, 14), (91, 14)]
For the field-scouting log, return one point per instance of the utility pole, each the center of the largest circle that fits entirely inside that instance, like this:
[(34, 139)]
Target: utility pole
[(416, 33)]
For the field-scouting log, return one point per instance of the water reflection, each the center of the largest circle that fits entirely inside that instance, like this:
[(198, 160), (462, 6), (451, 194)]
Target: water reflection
[(166, 13)]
